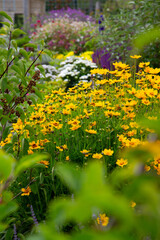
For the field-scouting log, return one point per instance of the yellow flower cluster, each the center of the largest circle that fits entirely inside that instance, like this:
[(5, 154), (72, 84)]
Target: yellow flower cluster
[(102, 114), (86, 55)]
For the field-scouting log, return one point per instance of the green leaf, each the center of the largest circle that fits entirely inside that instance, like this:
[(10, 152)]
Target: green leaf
[(6, 23), (70, 176), (21, 236), (21, 111), (29, 161), (9, 234), (2, 227), (45, 195), (42, 70), (41, 178), (147, 37), (151, 124), (8, 97), (2, 41), (9, 53), (33, 99), (17, 32), (3, 84), (6, 132), (5, 15), (13, 79), (17, 69), (24, 53), (6, 165), (38, 93), (14, 43), (31, 45), (25, 146), (4, 119), (3, 31)]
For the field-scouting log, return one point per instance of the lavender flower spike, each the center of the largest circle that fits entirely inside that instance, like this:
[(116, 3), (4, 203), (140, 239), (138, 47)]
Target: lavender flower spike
[(15, 232), (34, 216)]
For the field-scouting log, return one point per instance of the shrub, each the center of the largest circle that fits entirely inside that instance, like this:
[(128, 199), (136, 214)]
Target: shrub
[(75, 69), (122, 25), (64, 33)]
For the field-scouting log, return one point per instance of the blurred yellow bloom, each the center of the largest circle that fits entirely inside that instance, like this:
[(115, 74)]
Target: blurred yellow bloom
[(46, 163), (30, 151), (84, 151), (97, 155), (136, 56), (133, 204), (75, 127), (143, 64), (122, 162), (91, 131), (34, 145), (67, 158), (107, 152), (147, 168), (103, 219)]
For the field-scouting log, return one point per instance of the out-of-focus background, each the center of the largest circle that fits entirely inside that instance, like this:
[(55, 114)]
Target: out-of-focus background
[(21, 10)]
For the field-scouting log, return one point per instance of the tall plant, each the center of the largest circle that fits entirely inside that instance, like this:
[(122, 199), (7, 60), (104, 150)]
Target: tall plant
[(123, 24), (18, 77)]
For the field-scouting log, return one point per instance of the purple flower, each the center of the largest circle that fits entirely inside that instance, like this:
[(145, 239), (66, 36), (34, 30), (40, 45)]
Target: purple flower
[(15, 232), (102, 58), (34, 216), (101, 28)]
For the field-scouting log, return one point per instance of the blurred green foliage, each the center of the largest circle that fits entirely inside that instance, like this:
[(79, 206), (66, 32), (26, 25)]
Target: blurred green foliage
[(74, 217)]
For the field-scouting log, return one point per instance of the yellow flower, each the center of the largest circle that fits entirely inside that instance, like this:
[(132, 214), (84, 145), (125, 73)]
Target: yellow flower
[(34, 145), (2, 143), (66, 112), (131, 133), (60, 148), (71, 53), (125, 127), (46, 163), (74, 122), (84, 151), (134, 142), (133, 204), (152, 118), (146, 102), (136, 56), (121, 162), (121, 65), (147, 168), (144, 64), (107, 152), (26, 191), (103, 220), (97, 155), (67, 158), (30, 151), (75, 127), (64, 146), (1, 181), (150, 92), (58, 56), (91, 131)]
